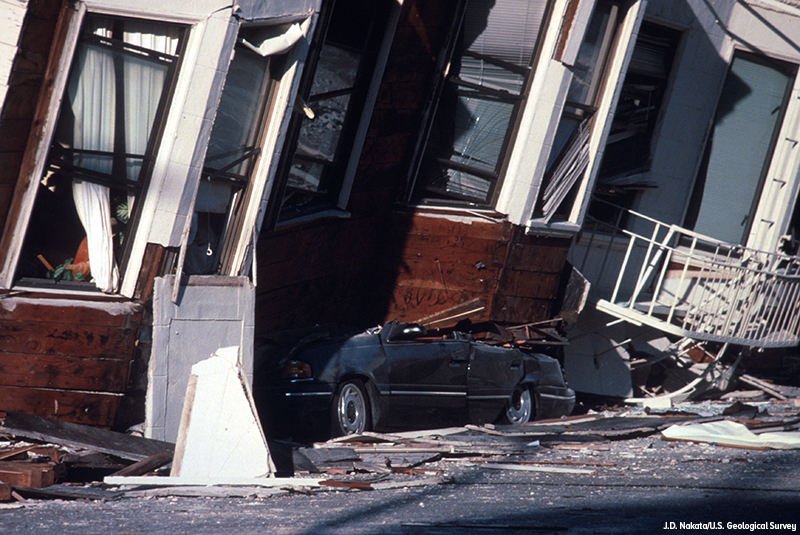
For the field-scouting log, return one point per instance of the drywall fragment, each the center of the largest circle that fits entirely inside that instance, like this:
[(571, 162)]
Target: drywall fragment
[(658, 402), (734, 434), (220, 435)]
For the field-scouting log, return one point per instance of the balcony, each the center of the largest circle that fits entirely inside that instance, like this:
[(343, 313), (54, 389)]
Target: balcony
[(686, 284)]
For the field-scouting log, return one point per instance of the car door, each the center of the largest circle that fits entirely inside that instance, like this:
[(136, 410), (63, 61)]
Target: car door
[(427, 376), (493, 374)]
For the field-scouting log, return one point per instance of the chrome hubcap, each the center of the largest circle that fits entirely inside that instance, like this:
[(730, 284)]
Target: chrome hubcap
[(352, 409), (520, 408)]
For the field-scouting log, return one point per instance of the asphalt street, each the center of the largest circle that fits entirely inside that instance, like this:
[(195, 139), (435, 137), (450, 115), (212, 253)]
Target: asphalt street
[(637, 486)]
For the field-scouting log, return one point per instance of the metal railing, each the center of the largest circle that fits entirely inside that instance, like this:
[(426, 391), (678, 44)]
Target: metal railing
[(690, 285)]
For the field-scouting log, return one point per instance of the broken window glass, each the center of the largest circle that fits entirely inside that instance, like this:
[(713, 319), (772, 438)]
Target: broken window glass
[(627, 155), (569, 156), (482, 95), (101, 152), (331, 101)]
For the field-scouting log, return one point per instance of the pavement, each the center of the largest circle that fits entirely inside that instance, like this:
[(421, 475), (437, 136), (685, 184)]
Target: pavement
[(608, 472)]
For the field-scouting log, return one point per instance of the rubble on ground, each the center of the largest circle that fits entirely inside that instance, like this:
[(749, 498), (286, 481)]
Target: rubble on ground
[(45, 459)]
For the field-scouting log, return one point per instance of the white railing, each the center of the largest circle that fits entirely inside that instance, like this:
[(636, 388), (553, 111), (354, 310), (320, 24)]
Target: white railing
[(690, 285)]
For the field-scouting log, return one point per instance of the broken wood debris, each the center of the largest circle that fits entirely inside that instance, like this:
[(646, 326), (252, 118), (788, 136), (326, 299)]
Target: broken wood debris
[(82, 436), (761, 385), (27, 474), (145, 465), (532, 468), (378, 461)]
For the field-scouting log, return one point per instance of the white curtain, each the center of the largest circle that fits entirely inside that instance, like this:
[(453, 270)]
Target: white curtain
[(92, 94), (144, 82)]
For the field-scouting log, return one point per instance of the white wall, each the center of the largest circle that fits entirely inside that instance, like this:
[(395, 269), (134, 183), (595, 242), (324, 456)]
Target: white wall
[(211, 312), (713, 29), (12, 13)]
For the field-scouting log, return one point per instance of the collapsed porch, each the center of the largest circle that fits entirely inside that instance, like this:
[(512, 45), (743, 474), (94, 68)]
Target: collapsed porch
[(707, 302), (686, 284)]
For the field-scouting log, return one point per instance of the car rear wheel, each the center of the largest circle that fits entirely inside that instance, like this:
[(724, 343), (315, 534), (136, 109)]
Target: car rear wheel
[(519, 409), (350, 411)]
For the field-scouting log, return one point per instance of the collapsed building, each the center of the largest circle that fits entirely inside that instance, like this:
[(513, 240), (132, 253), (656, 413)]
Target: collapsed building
[(179, 177)]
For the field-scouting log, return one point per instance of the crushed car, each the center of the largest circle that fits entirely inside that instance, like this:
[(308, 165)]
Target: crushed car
[(399, 376)]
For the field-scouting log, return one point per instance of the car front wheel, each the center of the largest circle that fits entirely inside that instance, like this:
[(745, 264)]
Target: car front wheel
[(519, 409), (350, 410)]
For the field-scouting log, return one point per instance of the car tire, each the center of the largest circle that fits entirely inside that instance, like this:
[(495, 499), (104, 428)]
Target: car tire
[(350, 412), (520, 408)]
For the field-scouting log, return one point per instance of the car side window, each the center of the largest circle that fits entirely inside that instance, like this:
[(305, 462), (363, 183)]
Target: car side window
[(458, 335)]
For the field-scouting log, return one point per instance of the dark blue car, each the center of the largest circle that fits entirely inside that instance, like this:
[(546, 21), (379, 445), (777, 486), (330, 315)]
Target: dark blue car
[(397, 376)]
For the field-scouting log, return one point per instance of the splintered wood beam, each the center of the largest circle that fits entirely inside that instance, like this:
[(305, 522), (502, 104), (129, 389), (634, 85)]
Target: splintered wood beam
[(67, 434), (453, 314), (146, 465)]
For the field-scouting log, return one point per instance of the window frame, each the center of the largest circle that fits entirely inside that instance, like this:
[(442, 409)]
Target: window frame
[(533, 135), (37, 157), (271, 216), (237, 245), (767, 206), (610, 85), (55, 82), (519, 102)]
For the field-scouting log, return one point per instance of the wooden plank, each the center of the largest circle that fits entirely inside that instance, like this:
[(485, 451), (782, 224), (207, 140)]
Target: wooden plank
[(450, 277), (66, 339), (67, 434), (452, 315), (529, 284), (144, 466), (455, 249), (91, 408), (156, 481), (107, 313), (63, 492), (27, 474), (60, 372), (528, 468)]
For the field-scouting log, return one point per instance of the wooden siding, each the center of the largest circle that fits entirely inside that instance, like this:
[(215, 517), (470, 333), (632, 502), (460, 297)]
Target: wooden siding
[(317, 273), (24, 86), (65, 359), (442, 262)]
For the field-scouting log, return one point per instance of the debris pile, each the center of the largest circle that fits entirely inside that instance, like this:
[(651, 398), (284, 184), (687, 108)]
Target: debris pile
[(46, 459)]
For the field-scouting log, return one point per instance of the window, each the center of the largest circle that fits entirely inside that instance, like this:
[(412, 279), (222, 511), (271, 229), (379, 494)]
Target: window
[(332, 96), (233, 150), (570, 154), (627, 155), (101, 154), (749, 115), (482, 95)]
